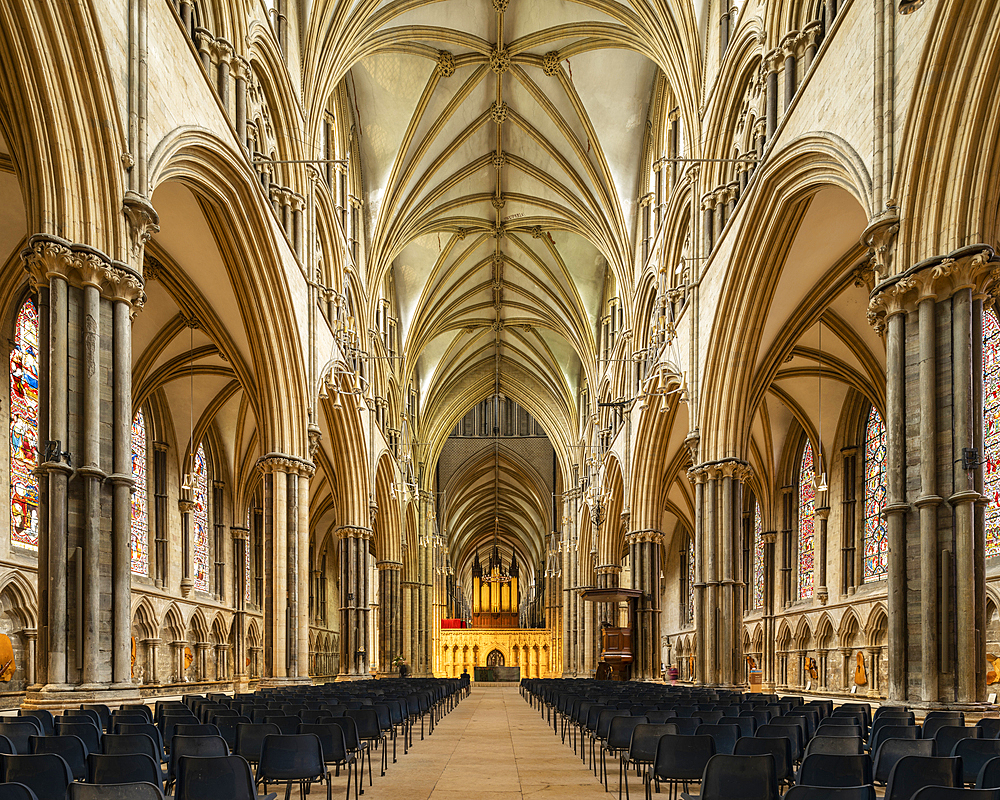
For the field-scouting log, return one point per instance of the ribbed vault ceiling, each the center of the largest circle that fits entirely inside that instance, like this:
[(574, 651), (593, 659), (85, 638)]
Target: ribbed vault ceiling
[(500, 145)]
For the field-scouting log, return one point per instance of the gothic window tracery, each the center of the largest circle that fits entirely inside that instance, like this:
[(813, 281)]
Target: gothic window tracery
[(24, 428), (876, 560), (807, 521), (140, 498), (991, 422)]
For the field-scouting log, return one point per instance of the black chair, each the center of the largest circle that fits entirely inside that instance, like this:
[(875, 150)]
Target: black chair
[(892, 750), (45, 719), (46, 774), (947, 736), (990, 726), (102, 711), (915, 772), (747, 725), (193, 746), (201, 729), (732, 777), (617, 743), (147, 730), (829, 793), (832, 721), (85, 729), (821, 769), (124, 768), (600, 734), (370, 731), (974, 754), (293, 759), (214, 778), (7, 746), (790, 732), (86, 713), (642, 749), (19, 730), (835, 745), (16, 791), (70, 748), (227, 729), (989, 775), (250, 739), (115, 744), (892, 732), (941, 719), (138, 708), (955, 793), (686, 726), (779, 748), (354, 744), (679, 760), (118, 719), (120, 791), (725, 737), (335, 752)]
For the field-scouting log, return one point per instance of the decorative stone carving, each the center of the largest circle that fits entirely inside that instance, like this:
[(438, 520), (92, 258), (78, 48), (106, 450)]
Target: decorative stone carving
[(500, 5), (445, 64), (499, 60), (498, 111), (550, 63), (880, 236)]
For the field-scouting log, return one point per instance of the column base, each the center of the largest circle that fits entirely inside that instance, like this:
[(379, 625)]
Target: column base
[(241, 684), (274, 683), (186, 586), (363, 676), (54, 698)]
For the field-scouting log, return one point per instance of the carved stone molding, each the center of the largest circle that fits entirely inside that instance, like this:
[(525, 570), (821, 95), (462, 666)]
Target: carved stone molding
[(353, 532), (969, 268), (879, 237), (639, 537), (143, 222)]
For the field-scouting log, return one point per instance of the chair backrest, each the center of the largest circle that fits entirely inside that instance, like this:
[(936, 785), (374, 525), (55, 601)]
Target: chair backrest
[(835, 745), (686, 726), (125, 718), (103, 712), (151, 731), (70, 748), (87, 713), (661, 715), (823, 769), (791, 732), (138, 708), (213, 778), (893, 732), (914, 772), (46, 774), (645, 739), (291, 757), (121, 791), (892, 750), (331, 739), (940, 719), (710, 717), (124, 743), (123, 768), (250, 738), (84, 728), (194, 746), (16, 791), (725, 737), (286, 724), (948, 735), (732, 777), (45, 719), (620, 731), (604, 721), (780, 747), (827, 793), (955, 793), (201, 729), (367, 721), (974, 754), (682, 757), (227, 729), (18, 731), (747, 725), (840, 722)]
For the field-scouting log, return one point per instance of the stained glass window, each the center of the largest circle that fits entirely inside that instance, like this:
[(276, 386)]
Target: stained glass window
[(140, 498), (991, 417), (24, 428), (690, 586), (200, 531), (758, 557), (807, 521), (876, 541), (246, 552)]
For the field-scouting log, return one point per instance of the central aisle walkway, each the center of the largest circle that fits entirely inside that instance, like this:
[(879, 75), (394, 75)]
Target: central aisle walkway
[(492, 746)]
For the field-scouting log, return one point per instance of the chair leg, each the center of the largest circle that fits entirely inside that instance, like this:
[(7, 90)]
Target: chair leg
[(369, 766)]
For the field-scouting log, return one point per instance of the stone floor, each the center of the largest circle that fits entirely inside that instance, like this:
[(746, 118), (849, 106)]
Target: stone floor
[(493, 746)]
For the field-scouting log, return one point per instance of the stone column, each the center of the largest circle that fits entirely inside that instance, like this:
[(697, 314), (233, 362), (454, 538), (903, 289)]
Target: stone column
[(768, 657), (241, 72), (389, 622), (354, 649), (152, 654), (822, 594), (708, 203), (788, 53), (286, 568), (30, 637), (223, 55), (205, 42), (933, 414), (644, 550), (241, 541), (772, 62), (874, 659), (822, 656), (178, 646), (186, 505), (201, 659), (809, 42), (700, 599)]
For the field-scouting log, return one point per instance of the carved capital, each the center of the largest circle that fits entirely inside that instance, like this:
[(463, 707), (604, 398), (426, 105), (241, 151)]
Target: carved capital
[(278, 462), (239, 533), (353, 532), (388, 565), (47, 257), (123, 285), (240, 68), (773, 60), (880, 237)]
